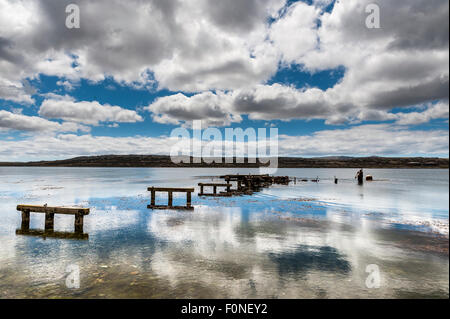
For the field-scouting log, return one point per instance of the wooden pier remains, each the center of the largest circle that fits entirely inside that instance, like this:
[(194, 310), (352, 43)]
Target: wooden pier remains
[(247, 184), (215, 186), (50, 212), (170, 192)]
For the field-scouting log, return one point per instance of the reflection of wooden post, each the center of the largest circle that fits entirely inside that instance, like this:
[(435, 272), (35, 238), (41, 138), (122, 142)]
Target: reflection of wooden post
[(170, 204), (79, 218), (25, 220), (49, 221), (188, 199), (153, 198)]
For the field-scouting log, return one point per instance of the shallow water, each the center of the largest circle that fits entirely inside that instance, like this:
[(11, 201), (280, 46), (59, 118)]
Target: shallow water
[(305, 240)]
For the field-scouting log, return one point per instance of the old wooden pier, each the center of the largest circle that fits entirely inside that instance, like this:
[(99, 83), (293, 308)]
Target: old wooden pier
[(215, 186), (170, 192), (247, 184), (50, 212)]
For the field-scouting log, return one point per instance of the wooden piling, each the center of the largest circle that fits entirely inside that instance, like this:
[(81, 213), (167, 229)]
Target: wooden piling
[(170, 200), (25, 220), (79, 221), (49, 221)]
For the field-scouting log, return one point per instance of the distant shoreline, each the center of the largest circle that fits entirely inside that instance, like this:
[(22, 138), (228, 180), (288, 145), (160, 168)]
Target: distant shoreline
[(136, 161)]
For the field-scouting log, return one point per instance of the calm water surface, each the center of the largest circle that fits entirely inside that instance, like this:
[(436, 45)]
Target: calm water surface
[(305, 240)]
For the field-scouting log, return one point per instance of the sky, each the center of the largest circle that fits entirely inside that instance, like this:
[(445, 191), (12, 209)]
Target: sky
[(136, 70)]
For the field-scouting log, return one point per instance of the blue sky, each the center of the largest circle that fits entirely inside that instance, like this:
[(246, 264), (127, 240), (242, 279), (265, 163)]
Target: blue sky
[(121, 83)]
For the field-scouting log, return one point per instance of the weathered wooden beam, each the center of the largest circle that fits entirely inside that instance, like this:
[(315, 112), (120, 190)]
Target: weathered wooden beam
[(153, 197), (53, 210), (52, 234), (188, 199), (171, 189), (215, 184), (25, 219), (79, 221), (49, 221), (170, 207), (170, 199)]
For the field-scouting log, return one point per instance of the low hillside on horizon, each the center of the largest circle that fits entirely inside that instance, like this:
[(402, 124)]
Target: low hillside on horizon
[(283, 162)]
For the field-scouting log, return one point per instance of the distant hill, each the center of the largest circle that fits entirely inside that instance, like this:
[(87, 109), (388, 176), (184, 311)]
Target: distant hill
[(283, 162)]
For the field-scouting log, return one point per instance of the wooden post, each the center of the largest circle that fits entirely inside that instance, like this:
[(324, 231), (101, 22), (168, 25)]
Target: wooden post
[(153, 198), (49, 221), (25, 220), (188, 199), (201, 189), (228, 187), (215, 190), (79, 218), (170, 203)]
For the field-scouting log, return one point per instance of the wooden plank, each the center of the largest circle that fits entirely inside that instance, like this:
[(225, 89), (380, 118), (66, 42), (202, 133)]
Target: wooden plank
[(52, 234), (170, 207), (169, 189), (215, 184), (217, 195), (54, 210)]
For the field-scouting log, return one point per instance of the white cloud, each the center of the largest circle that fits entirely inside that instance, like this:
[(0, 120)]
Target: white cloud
[(19, 122), (14, 91), (384, 69), (66, 108), (227, 52), (261, 102), (178, 109), (432, 112), (295, 33), (188, 45), (367, 140), (363, 140)]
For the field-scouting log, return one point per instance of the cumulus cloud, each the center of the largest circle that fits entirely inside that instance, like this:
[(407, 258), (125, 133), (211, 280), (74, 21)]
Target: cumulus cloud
[(180, 109), (380, 72), (362, 140), (15, 91), (185, 45), (66, 108), (365, 140), (224, 54), (197, 46), (432, 112), (19, 122)]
